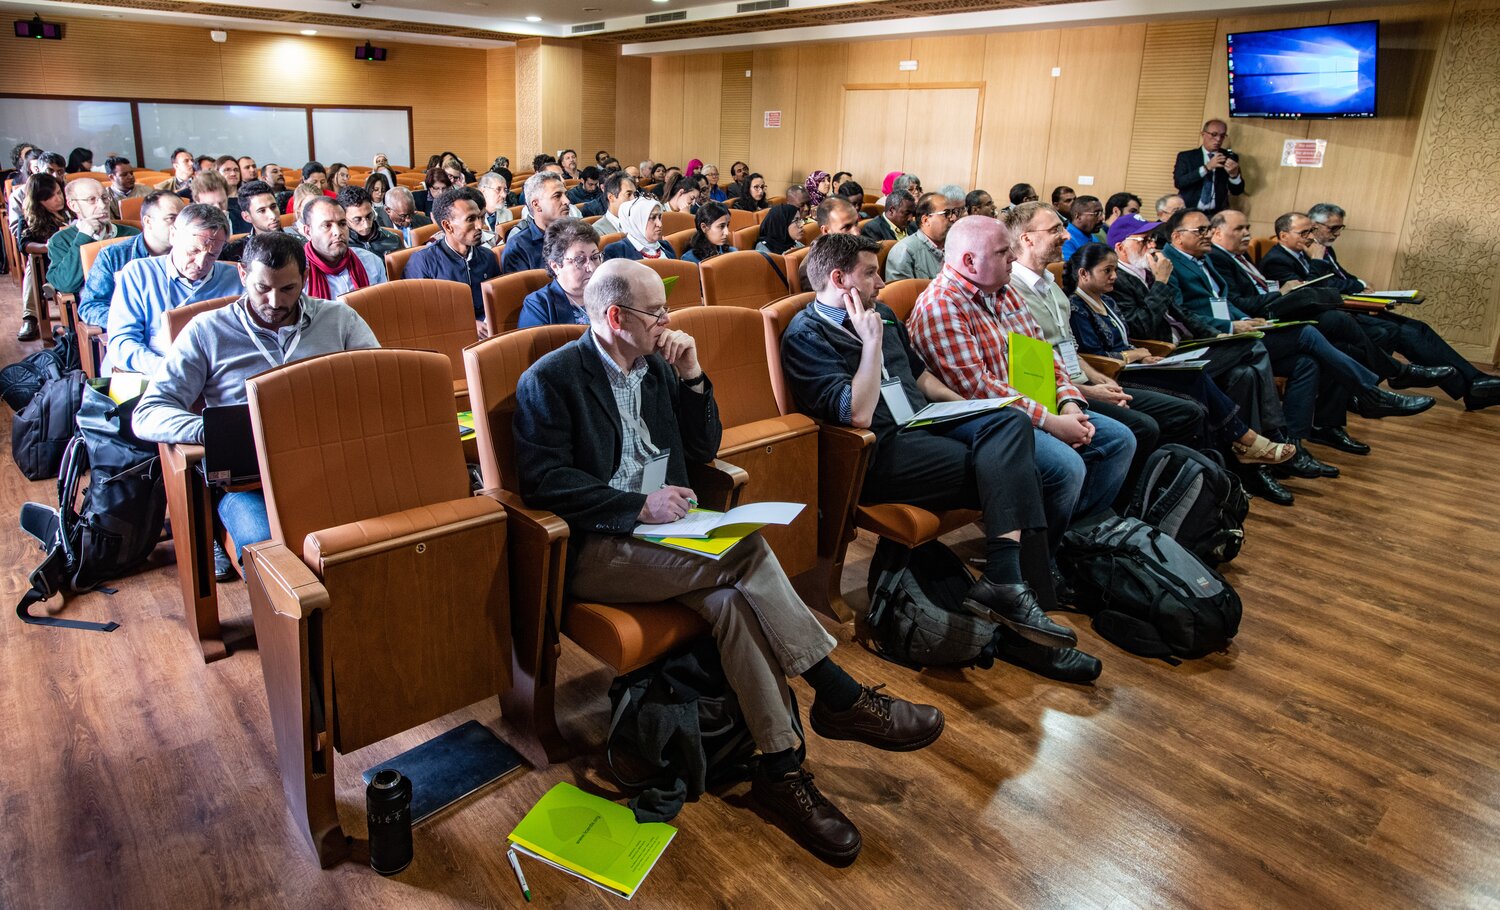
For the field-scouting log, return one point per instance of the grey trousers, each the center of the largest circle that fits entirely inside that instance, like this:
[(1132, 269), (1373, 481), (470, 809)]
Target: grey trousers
[(764, 632)]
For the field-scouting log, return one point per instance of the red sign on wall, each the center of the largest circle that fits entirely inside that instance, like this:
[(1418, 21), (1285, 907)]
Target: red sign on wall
[(773, 120)]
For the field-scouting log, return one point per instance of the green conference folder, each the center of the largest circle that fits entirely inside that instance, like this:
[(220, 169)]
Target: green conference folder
[(1031, 369), (592, 838)]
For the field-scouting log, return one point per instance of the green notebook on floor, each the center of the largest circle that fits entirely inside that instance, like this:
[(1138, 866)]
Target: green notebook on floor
[(592, 838)]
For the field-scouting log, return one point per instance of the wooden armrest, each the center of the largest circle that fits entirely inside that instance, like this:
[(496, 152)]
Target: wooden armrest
[(527, 520), (292, 588), (717, 483), (843, 458), (1159, 348), (1106, 365), (179, 456), (35, 249)]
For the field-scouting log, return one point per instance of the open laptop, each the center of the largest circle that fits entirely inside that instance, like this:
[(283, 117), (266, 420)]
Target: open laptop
[(229, 445)]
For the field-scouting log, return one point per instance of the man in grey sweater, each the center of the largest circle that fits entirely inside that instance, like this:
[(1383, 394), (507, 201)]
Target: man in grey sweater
[(272, 324)]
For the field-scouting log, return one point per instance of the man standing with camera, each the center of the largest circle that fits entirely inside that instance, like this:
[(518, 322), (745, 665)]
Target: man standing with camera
[(1207, 176)]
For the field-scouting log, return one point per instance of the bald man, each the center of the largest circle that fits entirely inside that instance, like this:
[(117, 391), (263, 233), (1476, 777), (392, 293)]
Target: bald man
[(848, 361), (88, 201), (605, 428)]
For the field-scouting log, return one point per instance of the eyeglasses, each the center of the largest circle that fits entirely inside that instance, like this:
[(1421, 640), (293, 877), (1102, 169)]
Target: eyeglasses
[(1055, 229), (1334, 229), (592, 261), (657, 316), (1214, 135), (1307, 233), (951, 214), (1201, 232)]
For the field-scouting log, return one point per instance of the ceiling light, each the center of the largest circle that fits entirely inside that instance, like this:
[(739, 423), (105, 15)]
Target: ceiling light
[(658, 1), (309, 31), (533, 18)]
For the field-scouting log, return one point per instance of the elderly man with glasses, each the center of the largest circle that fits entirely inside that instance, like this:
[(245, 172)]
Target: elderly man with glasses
[(1207, 176), (920, 255)]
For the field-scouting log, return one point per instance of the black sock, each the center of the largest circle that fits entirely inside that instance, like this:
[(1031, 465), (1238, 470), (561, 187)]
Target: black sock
[(1003, 561), (779, 764), (835, 688)]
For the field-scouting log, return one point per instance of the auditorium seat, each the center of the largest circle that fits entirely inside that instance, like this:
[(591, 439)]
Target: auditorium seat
[(885, 250), (672, 222), (504, 295), (810, 231), (420, 236), (687, 291), (793, 260), (606, 239), (382, 601), (1260, 246), (746, 238), (739, 219), (679, 240), (91, 339), (395, 262), (427, 314), (287, 220), (744, 278)]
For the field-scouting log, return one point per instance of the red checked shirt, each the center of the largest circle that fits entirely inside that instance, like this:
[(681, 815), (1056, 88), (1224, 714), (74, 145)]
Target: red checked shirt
[(961, 332)]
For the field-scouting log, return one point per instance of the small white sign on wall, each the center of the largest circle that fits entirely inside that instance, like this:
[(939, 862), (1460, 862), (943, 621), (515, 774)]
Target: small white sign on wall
[(1303, 152), (773, 120)]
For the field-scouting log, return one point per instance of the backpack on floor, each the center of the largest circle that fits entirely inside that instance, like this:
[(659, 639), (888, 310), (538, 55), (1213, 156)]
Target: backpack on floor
[(1194, 499), (24, 378), (1146, 592), (45, 426), (120, 517), (917, 616)]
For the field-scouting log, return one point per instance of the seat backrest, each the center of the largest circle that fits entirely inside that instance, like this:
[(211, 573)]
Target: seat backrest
[(395, 262), (421, 235), (901, 296), (85, 175), (679, 241), (672, 222), (793, 260), (739, 219), (747, 237), (90, 251), (355, 435), (288, 219), (427, 314), (494, 366), (1056, 268), (592, 218), (871, 198), (1259, 247), (131, 207), (731, 348), (688, 290), (515, 212), (811, 231), (742, 278), (177, 319), (504, 295), (775, 317), (885, 250), (871, 210), (606, 239), (760, 214)]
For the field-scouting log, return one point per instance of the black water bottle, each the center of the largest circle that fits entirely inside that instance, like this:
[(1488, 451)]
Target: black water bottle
[(388, 805)]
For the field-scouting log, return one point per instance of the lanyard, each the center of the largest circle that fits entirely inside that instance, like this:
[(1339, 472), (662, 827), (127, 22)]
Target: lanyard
[(1212, 284), (1108, 314), (884, 376), (255, 339)]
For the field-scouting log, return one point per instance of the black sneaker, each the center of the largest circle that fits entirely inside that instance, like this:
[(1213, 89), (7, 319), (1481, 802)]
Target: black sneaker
[(223, 566)]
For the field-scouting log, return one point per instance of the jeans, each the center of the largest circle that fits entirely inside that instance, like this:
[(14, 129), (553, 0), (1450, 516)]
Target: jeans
[(244, 516), (1081, 482)]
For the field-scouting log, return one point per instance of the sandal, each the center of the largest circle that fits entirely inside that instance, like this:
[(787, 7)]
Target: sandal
[(1263, 451)]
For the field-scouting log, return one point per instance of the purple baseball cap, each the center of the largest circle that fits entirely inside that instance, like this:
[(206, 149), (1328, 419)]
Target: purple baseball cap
[(1128, 226)]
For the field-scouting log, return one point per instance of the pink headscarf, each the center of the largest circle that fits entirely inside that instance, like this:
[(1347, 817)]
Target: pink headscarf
[(692, 168), (816, 177), (888, 185)]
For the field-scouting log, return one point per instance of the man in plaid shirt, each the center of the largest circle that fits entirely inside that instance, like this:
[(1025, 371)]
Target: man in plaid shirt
[(960, 326)]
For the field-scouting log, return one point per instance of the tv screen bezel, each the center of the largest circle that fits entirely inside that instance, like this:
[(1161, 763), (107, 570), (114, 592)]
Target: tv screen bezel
[(1229, 84)]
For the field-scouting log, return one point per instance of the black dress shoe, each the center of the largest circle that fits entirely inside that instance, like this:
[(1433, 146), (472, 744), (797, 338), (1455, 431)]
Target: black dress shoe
[(28, 330), (223, 568), (1376, 403), (1062, 664), (1260, 483), (1482, 393), (1338, 438), (1416, 376), (879, 720), (1304, 465), (1016, 608), (808, 816)]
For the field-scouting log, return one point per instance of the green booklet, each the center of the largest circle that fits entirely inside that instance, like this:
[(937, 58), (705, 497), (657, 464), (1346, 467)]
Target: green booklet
[(592, 838), (1030, 363)]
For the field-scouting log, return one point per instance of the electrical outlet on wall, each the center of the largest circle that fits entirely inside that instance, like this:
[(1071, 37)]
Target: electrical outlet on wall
[(1085, 181)]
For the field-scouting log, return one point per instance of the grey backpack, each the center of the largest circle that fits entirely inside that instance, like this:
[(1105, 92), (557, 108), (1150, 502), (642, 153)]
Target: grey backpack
[(917, 617)]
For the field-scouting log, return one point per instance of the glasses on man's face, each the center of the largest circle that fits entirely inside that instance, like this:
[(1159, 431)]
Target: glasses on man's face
[(590, 262), (1201, 232), (1334, 228), (1304, 234), (657, 316), (951, 214), (1055, 229), (1214, 135)]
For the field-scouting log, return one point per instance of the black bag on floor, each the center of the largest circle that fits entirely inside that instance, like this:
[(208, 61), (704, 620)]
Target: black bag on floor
[(120, 517), (1146, 592), (45, 426), (917, 616), (1194, 499), (20, 381)]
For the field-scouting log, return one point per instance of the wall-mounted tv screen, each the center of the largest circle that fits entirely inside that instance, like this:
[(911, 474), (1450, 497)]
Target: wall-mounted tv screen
[(1321, 71)]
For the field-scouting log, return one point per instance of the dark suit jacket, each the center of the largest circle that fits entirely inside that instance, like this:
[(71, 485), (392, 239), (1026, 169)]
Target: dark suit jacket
[(878, 229), (1247, 295), (1188, 278), (1281, 264), (568, 436), (549, 306), (1146, 310), (1190, 185)]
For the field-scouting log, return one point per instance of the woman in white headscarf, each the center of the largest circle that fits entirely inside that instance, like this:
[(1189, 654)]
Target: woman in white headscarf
[(641, 218)]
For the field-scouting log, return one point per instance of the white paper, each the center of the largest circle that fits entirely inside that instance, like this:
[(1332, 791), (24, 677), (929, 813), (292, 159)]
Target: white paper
[(1180, 357), (895, 400), (1395, 295), (702, 524), (1220, 307), (940, 411), (654, 474), (1069, 353)]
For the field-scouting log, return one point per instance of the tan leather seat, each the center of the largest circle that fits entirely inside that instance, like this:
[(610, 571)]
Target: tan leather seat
[(901, 296), (1260, 246), (793, 260), (382, 600), (672, 222), (606, 239), (746, 238), (885, 250), (91, 339), (395, 262), (739, 219), (131, 207), (679, 241), (1056, 268), (287, 220), (687, 291), (420, 236), (504, 295), (811, 231), (743, 278), (426, 314)]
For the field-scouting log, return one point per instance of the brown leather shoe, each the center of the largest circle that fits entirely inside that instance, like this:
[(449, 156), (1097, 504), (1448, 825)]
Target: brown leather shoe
[(808, 817), (878, 720)]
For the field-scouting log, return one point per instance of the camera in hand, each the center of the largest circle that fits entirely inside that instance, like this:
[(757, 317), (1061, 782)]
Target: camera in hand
[(388, 807)]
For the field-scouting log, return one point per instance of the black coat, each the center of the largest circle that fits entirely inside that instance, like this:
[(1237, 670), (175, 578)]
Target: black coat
[(1190, 185), (1145, 311), (878, 229), (1246, 294), (1281, 264), (568, 436)]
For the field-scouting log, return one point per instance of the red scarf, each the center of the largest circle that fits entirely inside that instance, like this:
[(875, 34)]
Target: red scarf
[(318, 272)]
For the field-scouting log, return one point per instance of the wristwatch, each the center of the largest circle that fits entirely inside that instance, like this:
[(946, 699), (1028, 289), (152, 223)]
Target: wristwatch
[(698, 383)]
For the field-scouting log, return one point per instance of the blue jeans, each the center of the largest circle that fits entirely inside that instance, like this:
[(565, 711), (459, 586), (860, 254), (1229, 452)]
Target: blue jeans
[(1080, 482), (244, 516)]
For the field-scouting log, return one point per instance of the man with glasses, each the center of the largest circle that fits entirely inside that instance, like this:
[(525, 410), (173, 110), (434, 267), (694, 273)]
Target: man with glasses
[(1083, 225), (1207, 176), (1432, 360), (365, 232), (618, 190), (571, 249), (401, 206), (158, 211), (920, 255), (455, 253), (605, 428)]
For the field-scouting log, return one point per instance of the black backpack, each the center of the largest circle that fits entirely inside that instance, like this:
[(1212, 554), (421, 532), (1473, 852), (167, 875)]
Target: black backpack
[(1192, 497), (120, 517), (917, 617), (45, 426), (1147, 593), (676, 729), (20, 381)]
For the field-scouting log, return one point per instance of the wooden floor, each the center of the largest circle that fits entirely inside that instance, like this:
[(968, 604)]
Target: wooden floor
[(1343, 754)]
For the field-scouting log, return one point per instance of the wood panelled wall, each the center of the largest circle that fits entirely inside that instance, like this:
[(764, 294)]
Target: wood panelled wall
[(1127, 98)]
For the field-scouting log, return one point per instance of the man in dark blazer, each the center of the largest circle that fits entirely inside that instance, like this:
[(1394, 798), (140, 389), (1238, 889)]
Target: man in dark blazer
[(605, 428), (891, 224), (1436, 361), (1207, 176)]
